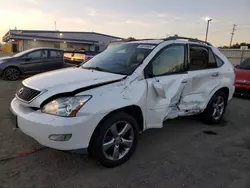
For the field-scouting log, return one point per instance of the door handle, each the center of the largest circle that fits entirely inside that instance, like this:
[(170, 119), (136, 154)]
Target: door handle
[(184, 81), (215, 74)]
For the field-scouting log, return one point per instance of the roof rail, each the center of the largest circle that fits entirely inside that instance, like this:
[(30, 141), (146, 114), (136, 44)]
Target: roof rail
[(189, 39), (130, 40)]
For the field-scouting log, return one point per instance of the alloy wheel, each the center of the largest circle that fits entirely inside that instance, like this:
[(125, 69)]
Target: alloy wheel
[(118, 140), (12, 74), (219, 106)]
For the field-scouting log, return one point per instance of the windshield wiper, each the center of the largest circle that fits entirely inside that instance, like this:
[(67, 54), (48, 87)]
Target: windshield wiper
[(102, 70), (96, 68)]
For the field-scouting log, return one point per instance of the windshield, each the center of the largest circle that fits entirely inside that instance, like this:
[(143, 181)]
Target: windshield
[(122, 59), (22, 53), (245, 64), (113, 44)]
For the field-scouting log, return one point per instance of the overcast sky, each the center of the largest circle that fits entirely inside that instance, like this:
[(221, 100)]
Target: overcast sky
[(135, 18)]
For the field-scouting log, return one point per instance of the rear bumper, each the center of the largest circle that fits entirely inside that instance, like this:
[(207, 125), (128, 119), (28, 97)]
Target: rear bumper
[(242, 89)]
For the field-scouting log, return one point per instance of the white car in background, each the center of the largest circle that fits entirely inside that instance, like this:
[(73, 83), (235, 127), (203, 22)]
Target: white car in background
[(103, 105)]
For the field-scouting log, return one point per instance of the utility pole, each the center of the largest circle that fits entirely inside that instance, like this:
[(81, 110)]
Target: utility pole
[(232, 35), (55, 25), (208, 21)]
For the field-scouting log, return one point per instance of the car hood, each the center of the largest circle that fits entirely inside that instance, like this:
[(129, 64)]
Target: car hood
[(242, 74), (69, 79), (5, 58)]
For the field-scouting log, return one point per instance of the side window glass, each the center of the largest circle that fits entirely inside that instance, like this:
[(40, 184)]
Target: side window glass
[(54, 54), (219, 61), (199, 58), (35, 55), (212, 62), (170, 60)]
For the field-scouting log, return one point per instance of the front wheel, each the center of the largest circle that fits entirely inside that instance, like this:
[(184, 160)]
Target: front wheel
[(215, 108), (11, 73), (115, 140)]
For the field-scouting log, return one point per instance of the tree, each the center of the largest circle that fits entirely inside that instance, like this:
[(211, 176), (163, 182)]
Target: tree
[(237, 45)]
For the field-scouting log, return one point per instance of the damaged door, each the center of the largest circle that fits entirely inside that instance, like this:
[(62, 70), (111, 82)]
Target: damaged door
[(166, 77), (204, 77)]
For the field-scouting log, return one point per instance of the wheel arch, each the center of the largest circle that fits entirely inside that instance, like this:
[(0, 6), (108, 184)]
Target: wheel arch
[(224, 89), (133, 110), (13, 67)]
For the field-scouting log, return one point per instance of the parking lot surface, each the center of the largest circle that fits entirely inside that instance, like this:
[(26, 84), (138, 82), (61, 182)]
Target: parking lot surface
[(185, 153)]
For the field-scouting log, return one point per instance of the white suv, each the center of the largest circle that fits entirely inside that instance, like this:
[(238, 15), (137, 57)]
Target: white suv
[(103, 105)]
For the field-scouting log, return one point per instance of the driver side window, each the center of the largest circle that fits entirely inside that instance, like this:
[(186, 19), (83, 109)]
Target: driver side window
[(169, 60), (35, 55)]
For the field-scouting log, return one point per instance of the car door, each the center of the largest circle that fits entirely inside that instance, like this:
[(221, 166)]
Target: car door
[(32, 62), (204, 77), (166, 77), (54, 60)]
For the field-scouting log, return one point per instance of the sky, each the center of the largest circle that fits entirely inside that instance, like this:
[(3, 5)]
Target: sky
[(132, 18)]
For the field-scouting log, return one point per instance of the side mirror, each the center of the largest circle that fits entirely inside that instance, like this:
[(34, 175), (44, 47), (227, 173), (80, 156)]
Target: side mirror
[(26, 58), (237, 66)]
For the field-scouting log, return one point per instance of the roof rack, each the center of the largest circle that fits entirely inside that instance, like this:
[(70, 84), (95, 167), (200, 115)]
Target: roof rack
[(189, 39), (131, 40)]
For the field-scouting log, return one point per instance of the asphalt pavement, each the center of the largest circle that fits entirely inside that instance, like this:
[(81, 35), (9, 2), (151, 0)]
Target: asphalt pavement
[(185, 153)]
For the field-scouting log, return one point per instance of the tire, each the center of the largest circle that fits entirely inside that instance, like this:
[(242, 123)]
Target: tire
[(11, 73), (215, 109), (107, 141)]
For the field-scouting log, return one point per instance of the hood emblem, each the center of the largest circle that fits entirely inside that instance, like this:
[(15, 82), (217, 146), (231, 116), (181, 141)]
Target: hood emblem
[(20, 91)]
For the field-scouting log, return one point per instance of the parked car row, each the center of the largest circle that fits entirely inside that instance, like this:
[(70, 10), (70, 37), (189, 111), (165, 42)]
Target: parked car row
[(104, 104), (78, 57), (38, 60)]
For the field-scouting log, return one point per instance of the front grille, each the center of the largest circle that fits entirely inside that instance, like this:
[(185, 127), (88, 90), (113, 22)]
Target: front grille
[(26, 94)]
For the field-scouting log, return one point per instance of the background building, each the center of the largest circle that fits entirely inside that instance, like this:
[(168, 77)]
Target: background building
[(20, 40)]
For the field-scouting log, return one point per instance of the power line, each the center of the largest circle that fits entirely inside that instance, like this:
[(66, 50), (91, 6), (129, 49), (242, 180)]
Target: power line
[(232, 34)]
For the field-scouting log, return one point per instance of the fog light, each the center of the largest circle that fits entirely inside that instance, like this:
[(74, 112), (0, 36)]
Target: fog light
[(60, 137)]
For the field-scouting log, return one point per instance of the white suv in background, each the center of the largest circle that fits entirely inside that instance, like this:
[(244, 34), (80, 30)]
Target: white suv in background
[(103, 105)]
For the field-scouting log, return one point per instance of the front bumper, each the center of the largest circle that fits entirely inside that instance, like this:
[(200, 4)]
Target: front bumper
[(39, 126), (1, 72)]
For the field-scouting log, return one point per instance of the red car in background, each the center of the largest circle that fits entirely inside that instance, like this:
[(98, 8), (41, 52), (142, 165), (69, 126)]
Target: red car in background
[(242, 77)]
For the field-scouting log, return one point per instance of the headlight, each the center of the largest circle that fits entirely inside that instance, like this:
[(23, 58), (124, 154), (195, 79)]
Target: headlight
[(65, 106)]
